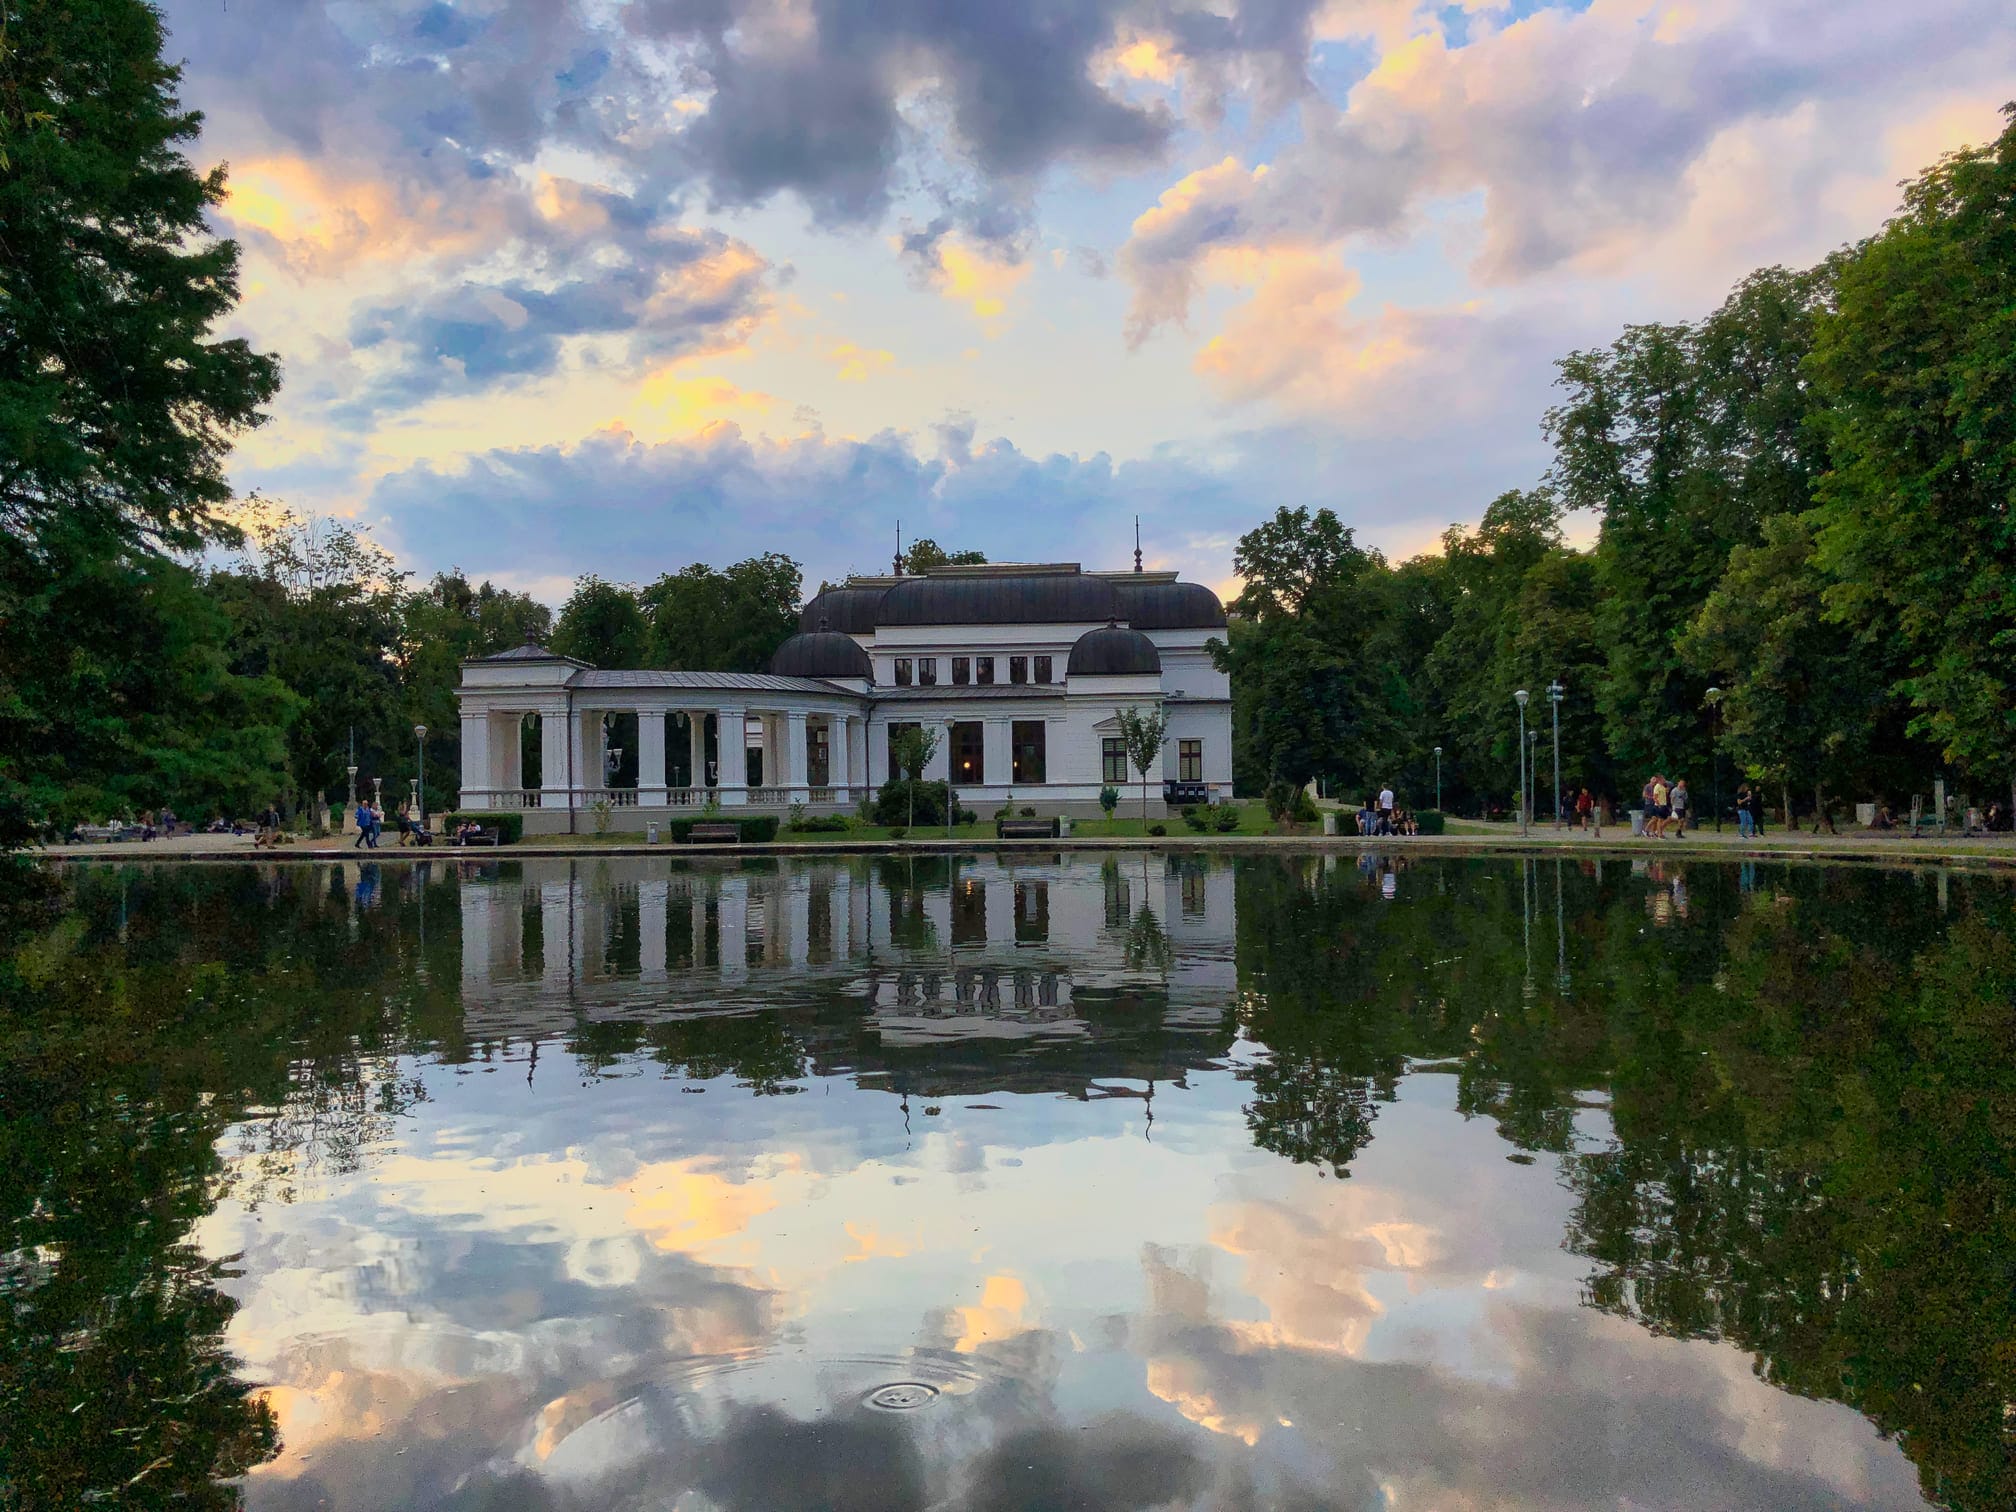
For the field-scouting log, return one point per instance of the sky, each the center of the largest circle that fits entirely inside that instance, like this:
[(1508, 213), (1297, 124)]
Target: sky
[(613, 286)]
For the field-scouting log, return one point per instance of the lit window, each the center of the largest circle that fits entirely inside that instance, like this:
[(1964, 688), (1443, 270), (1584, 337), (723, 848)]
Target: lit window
[(902, 671), (962, 671), (1042, 669), (1189, 761)]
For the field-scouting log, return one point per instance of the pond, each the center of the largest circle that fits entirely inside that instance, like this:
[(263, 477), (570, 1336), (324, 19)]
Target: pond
[(1293, 1182)]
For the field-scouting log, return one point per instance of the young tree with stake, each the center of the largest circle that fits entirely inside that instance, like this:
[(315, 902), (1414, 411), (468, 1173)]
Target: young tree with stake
[(1143, 732)]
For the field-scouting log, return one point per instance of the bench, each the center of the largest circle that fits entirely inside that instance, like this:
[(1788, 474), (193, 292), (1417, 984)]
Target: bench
[(1025, 829), (101, 832), (477, 836), (713, 834)]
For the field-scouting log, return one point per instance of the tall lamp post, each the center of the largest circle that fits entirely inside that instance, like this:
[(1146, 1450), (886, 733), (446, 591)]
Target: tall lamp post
[(420, 765), (950, 807), (1520, 699), (351, 812), (1715, 750), (1533, 774), (1554, 695), (1438, 779)]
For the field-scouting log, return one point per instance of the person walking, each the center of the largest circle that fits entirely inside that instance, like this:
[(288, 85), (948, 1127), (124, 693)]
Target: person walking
[(1745, 823), (1656, 810), (1757, 813), (1584, 804), (1680, 802), (1645, 806), (363, 816)]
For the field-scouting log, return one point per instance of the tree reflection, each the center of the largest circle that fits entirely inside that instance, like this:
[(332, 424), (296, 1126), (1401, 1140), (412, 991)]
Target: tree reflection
[(1812, 1092)]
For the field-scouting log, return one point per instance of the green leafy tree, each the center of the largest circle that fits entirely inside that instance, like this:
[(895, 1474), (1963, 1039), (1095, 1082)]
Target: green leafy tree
[(1800, 693), (603, 624), (117, 406), (926, 553), (727, 620), (1917, 359), (911, 747), (1143, 734)]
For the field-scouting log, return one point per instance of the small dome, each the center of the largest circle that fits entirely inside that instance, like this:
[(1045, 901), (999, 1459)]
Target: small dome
[(822, 653), (1170, 606), (1113, 652), (851, 611)]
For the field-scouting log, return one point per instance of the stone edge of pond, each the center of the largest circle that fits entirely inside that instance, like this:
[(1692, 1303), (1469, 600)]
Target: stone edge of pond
[(1844, 851)]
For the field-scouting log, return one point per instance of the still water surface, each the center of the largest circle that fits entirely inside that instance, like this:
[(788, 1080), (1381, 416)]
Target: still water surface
[(1009, 1184)]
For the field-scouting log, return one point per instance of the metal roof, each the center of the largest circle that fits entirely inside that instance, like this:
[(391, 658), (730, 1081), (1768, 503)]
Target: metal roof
[(846, 610), (823, 653), (530, 651), (719, 682), (1170, 606), (1049, 598), (1114, 651)]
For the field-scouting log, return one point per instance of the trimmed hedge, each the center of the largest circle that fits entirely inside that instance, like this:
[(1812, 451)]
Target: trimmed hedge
[(510, 828), (1430, 821), (754, 830), (819, 824)]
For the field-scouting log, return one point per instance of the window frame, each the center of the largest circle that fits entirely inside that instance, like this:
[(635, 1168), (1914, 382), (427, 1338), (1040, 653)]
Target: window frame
[(1040, 668), (1190, 761), (1017, 766), (962, 671), (902, 672), (1112, 757), (927, 671), (1018, 670), (956, 750), (983, 671)]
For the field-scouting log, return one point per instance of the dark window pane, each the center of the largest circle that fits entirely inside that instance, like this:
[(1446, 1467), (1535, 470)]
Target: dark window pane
[(983, 669), (962, 671), (1190, 761), (1112, 760), (902, 671), (1028, 746), (1018, 669), (927, 672), (1042, 669), (969, 763)]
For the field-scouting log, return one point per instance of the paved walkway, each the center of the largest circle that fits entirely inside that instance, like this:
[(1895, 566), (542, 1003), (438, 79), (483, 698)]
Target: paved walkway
[(1464, 836)]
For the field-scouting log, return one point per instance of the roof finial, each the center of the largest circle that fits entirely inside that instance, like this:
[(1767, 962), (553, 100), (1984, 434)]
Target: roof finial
[(1137, 543), (899, 548)]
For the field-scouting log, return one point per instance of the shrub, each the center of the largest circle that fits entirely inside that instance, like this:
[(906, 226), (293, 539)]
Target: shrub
[(510, 828), (1028, 813), (1109, 799), (893, 803), (820, 824), (967, 816), (796, 816), (1280, 800), (1197, 819), (1430, 822), (897, 832), (1305, 807), (1001, 813), (1226, 819), (1158, 829)]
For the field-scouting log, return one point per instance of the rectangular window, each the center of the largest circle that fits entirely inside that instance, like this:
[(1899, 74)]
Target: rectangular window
[(1018, 669), (983, 670), (1032, 913), (927, 671), (1042, 669), (1112, 759), (902, 671), (896, 773), (818, 756), (969, 912), (1027, 746), (1189, 761), (969, 757), (962, 671)]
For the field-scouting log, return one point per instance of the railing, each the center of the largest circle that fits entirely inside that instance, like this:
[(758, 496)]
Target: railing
[(768, 795), (614, 797), (688, 797), (501, 799), (822, 795)]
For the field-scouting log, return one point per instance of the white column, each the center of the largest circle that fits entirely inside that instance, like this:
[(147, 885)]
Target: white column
[(475, 760), (796, 758), (875, 770), (651, 916), (696, 746), (734, 759), (839, 748), (1000, 766), (734, 927), (588, 750), (651, 757), (553, 747), (555, 934)]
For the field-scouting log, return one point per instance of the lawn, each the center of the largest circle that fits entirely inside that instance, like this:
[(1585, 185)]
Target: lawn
[(1252, 821)]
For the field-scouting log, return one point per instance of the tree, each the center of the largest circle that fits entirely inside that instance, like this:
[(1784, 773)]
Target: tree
[(1800, 693), (1917, 359), (116, 405), (730, 620), (911, 747), (927, 553), (603, 624), (1143, 733)]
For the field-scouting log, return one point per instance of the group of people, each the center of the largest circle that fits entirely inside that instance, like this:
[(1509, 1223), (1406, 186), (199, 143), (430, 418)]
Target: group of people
[(1380, 816), (371, 825), (1667, 805)]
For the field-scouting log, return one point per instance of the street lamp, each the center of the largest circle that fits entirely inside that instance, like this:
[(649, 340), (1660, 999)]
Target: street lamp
[(1554, 695), (951, 727), (1438, 779), (1520, 699), (352, 770), (1715, 750), (420, 763), (1533, 771)]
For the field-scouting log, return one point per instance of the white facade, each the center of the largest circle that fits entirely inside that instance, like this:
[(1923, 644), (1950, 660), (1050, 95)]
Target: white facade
[(1025, 708)]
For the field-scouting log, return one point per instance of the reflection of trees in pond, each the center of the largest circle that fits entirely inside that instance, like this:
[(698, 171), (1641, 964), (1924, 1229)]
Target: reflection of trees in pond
[(1813, 1094)]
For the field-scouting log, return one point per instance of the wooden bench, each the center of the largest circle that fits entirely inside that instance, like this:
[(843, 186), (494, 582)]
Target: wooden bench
[(1025, 829), (713, 834), (100, 832), (477, 836)]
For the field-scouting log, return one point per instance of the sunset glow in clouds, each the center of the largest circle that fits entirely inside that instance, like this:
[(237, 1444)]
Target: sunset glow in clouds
[(601, 286)]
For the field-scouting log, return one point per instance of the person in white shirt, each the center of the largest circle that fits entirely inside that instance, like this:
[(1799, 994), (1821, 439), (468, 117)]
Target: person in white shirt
[(1386, 804)]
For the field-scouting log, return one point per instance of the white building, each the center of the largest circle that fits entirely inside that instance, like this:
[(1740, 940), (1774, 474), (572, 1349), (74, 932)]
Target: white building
[(1021, 669)]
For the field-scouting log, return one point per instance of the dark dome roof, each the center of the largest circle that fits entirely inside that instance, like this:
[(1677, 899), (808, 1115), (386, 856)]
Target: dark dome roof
[(1040, 598), (850, 611), (1113, 652), (823, 653), (1170, 606)]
